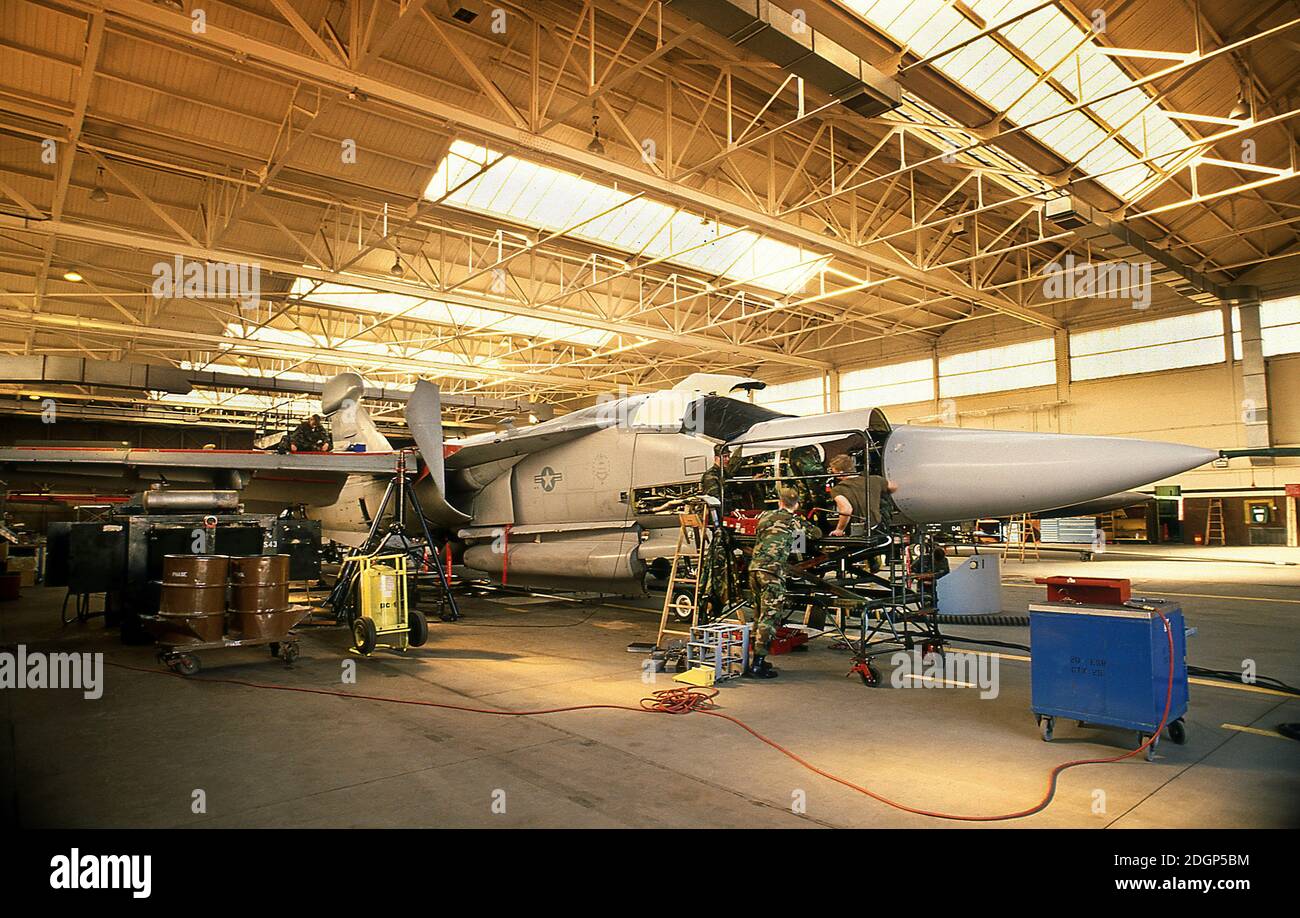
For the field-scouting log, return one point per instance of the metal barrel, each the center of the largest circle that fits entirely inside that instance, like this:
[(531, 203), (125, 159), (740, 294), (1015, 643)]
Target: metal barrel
[(192, 601), (275, 625), (259, 583), (167, 499), (196, 570)]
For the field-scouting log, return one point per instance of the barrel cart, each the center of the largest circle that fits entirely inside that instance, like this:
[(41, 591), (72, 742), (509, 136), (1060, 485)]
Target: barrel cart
[(215, 602)]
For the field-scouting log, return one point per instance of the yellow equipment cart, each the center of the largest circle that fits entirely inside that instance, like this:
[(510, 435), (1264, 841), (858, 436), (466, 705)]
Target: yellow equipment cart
[(383, 615)]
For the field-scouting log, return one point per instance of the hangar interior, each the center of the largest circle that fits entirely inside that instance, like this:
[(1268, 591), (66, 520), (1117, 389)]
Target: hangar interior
[(1024, 217)]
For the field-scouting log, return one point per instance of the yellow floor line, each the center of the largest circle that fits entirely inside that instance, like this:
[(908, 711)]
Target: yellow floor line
[(1195, 680), (1012, 583), (1255, 730)]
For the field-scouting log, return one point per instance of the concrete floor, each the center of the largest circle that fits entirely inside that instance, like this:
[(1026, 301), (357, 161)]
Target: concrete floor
[(267, 758)]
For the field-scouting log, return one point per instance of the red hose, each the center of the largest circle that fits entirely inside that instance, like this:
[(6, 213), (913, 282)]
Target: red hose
[(688, 701)]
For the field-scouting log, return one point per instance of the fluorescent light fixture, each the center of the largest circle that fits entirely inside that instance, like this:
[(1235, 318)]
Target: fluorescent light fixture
[(71, 275), (997, 76), (546, 198)]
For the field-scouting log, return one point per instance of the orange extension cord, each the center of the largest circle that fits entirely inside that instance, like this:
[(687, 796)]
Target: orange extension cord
[(690, 701)]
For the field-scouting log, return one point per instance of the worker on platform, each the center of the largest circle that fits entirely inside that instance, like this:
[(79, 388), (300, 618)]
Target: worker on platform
[(857, 498), (724, 462), (805, 469), (779, 533), (311, 437)]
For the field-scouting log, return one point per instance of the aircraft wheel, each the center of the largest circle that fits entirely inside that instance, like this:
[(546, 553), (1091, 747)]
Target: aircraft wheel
[(417, 628), (364, 635)]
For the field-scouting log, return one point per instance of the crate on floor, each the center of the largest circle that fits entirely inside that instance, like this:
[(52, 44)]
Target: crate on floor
[(722, 648)]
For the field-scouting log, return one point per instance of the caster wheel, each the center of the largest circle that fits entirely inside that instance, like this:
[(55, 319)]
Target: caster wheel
[(275, 649), (1151, 750), (186, 665), (1178, 732), (289, 652), (364, 635), (869, 675), (417, 628), (682, 607), (1049, 725)]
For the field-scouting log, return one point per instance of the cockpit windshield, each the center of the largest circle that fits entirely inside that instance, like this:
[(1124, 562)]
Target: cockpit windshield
[(725, 418)]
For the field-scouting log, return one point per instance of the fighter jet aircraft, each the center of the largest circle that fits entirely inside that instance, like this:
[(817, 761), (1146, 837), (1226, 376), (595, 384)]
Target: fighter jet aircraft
[(585, 501)]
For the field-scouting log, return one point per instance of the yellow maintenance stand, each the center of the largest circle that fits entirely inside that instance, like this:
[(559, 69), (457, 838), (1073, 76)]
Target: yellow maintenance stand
[(384, 618)]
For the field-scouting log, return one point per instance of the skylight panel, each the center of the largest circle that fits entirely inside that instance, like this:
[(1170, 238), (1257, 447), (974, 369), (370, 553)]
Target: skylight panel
[(993, 74), (554, 201), (455, 315)]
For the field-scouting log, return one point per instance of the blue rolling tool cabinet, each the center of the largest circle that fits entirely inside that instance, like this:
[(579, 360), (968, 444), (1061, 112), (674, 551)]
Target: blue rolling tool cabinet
[(1108, 666)]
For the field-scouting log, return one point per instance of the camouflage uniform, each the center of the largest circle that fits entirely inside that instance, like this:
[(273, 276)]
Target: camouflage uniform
[(711, 480), (778, 533), (804, 461), (717, 587), (308, 439)]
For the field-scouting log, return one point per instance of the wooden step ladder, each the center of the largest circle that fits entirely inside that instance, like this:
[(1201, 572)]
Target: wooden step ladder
[(1214, 529), (691, 531), (1026, 539)]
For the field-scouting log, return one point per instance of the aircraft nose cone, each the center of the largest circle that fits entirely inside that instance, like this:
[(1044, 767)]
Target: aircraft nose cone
[(946, 474)]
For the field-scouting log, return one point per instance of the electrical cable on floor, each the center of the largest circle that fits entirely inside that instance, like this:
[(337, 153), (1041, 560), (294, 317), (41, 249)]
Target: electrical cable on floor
[(689, 701)]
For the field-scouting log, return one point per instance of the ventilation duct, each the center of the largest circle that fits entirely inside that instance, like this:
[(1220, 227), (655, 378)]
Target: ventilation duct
[(788, 41), (1120, 242)]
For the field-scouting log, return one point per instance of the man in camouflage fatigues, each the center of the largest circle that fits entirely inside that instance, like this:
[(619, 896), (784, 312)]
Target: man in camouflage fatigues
[(311, 437), (779, 533), (805, 461), (717, 587)]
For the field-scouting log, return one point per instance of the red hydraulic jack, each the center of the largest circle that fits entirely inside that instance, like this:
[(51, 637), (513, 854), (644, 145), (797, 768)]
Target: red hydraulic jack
[(787, 639)]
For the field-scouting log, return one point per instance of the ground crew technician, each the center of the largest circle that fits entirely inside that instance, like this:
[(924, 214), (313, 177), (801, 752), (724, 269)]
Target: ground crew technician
[(779, 533), (857, 498), (311, 437)]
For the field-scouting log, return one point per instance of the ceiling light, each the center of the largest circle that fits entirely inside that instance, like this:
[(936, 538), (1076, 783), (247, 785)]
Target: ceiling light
[(34, 397), (1240, 111), (396, 270), (98, 194), (71, 275), (241, 359), (596, 146)]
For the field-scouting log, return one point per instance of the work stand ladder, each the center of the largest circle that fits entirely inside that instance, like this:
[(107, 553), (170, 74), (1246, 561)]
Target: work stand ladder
[(1214, 529), (399, 497), (691, 531), (1025, 540)]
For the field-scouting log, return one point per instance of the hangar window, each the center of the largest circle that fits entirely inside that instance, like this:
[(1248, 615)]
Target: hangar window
[(893, 384), (475, 178), (800, 397), (1191, 340), (997, 369), (1279, 326)]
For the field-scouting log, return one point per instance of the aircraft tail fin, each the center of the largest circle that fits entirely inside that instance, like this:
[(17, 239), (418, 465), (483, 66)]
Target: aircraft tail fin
[(424, 420), (350, 422)]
